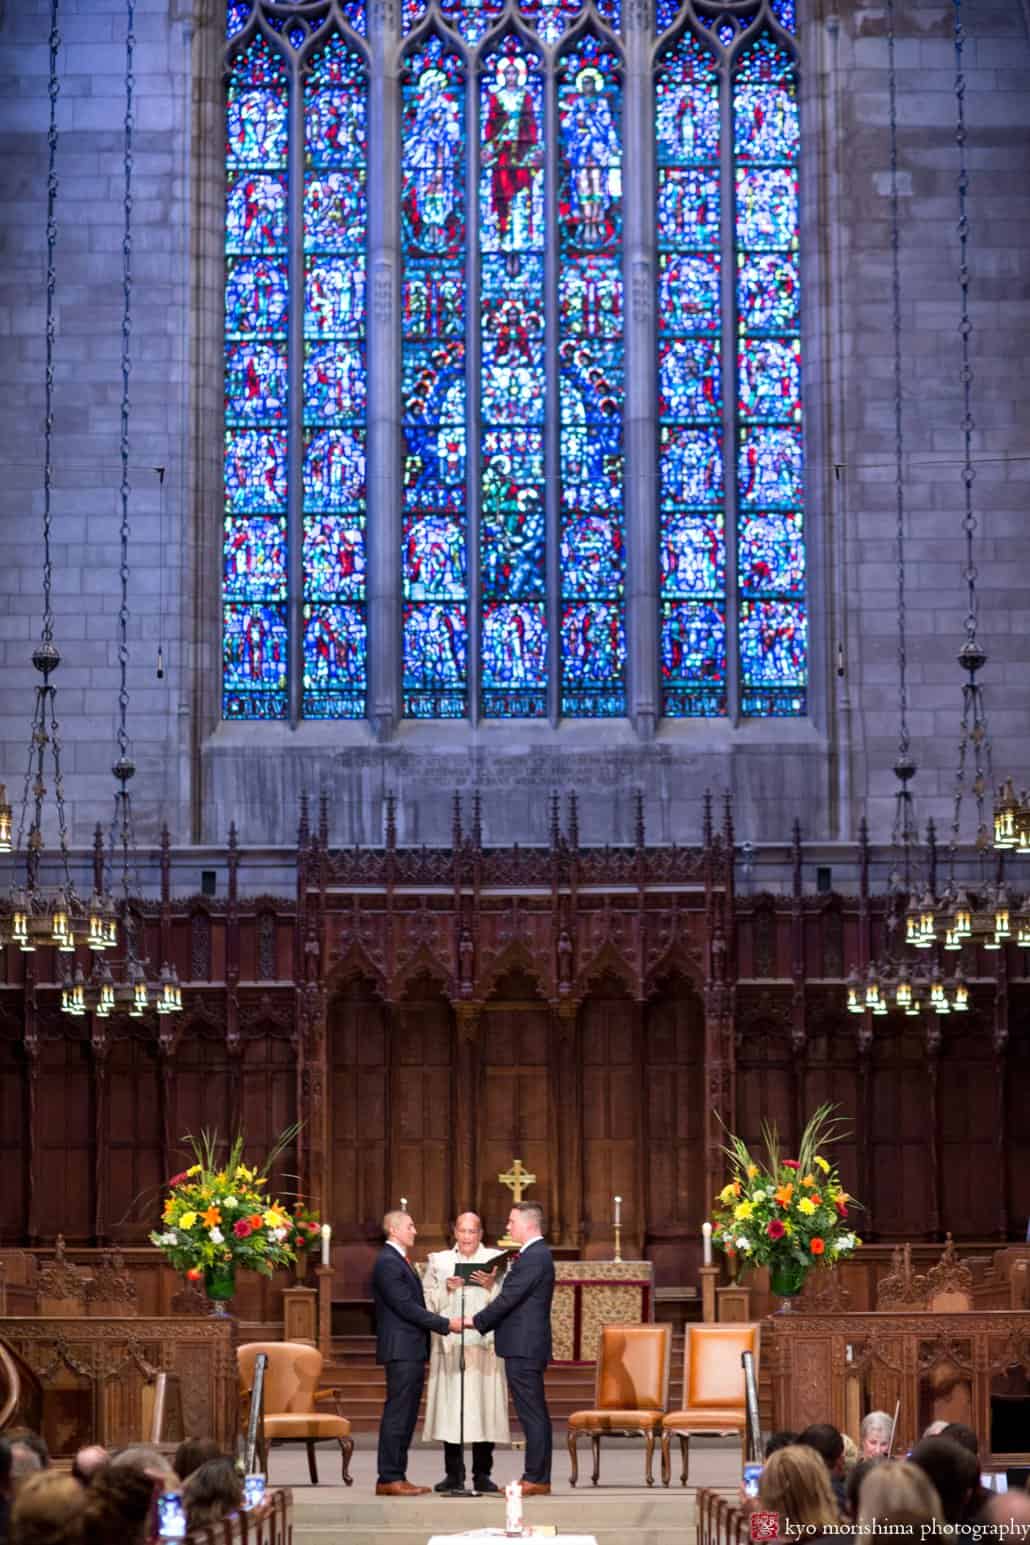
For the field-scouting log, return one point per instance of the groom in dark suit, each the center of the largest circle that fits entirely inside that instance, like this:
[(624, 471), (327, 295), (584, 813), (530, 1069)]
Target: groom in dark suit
[(521, 1317), (403, 1324)]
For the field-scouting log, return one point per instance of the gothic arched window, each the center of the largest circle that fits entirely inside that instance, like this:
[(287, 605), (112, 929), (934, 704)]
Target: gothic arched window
[(513, 417)]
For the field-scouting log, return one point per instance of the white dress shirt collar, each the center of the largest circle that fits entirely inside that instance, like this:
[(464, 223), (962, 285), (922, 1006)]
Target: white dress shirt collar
[(535, 1240), (399, 1248)]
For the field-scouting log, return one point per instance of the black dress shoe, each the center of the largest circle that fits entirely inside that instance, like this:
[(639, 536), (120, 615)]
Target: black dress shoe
[(484, 1483), (447, 1484)]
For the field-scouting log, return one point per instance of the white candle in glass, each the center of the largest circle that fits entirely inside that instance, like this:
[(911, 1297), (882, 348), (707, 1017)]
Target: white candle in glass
[(618, 1211), (326, 1236), (706, 1238)]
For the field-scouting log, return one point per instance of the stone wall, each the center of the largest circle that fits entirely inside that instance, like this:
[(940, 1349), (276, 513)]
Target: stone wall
[(828, 771)]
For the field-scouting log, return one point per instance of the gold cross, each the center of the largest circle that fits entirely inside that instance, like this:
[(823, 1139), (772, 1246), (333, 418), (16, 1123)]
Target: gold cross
[(517, 1179)]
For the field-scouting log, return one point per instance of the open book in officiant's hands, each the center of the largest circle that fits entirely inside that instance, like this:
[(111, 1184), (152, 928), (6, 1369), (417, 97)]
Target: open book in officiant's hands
[(470, 1269)]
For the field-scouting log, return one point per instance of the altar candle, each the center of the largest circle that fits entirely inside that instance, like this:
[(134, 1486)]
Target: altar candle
[(404, 1204), (706, 1239), (618, 1211), (326, 1236)]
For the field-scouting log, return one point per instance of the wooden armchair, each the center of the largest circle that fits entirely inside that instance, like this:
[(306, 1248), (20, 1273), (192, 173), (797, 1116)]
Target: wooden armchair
[(631, 1394), (290, 1392), (713, 1388)]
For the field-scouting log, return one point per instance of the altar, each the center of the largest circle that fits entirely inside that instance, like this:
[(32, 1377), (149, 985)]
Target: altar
[(592, 1294)]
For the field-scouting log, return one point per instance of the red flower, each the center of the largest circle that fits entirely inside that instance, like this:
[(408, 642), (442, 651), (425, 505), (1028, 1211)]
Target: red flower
[(194, 1274), (791, 1164), (242, 1229), (312, 1228), (775, 1229), (817, 1246), (177, 1180), (842, 1211)]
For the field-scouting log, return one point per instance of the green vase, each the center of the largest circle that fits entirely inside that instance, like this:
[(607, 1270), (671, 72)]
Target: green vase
[(786, 1279), (220, 1285)]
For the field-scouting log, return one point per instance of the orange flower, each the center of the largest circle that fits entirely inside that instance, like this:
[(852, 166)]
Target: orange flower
[(809, 1180), (211, 1218), (816, 1198), (784, 1194), (817, 1246), (256, 1219)]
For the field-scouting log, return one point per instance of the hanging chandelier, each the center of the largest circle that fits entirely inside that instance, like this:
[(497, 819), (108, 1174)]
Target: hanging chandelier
[(41, 914), (132, 992)]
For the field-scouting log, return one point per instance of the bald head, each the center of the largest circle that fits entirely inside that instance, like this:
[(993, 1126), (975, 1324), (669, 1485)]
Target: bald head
[(88, 1461), (399, 1228), (468, 1233)]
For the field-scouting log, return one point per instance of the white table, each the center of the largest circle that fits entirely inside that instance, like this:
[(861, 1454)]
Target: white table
[(491, 1536)]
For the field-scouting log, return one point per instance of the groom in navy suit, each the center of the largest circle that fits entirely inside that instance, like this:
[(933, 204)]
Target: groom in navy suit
[(521, 1317), (403, 1324)]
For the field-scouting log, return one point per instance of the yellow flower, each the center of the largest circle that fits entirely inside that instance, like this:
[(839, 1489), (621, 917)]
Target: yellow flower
[(752, 1171), (788, 1228), (727, 1194), (194, 1170), (243, 1173), (806, 1205), (273, 1218), (187, 1220), (822, 1164), (743, 1210)]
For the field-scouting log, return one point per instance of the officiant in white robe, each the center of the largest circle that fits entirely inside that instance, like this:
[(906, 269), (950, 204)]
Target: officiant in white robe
[(486, 1389)]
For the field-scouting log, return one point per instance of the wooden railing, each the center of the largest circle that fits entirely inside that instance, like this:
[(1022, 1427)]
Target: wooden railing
[(720, 1520), (269, 1524)]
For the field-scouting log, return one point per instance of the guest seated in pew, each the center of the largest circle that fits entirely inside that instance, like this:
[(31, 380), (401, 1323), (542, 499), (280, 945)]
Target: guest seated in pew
[(796, 1486), (828, 1443), (118, 1508), (214, 1491), (853, 1486), (25, 1464), (148, 1461), (192, 1453), (778, 1440), (954, 1472), (48, 1510), (89, 1462), (899, 1499), (33, 1441)]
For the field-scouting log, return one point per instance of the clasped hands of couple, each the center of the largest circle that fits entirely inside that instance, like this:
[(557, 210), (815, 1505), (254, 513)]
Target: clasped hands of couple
[(484, 1279)]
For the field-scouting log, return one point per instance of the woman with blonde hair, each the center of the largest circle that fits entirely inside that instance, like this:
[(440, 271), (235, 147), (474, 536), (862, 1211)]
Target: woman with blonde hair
[(796, 1485), (898, 1494), (48, 1510)]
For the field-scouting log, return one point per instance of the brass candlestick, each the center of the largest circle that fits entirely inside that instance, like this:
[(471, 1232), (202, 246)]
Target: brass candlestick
[(618, 1242)]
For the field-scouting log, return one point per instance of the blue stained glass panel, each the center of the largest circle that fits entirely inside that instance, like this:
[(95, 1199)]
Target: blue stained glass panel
[(237, 15), (334, 557), (693, 659), (590, 300), (770, 379), (693, 553), (771, 553), (689, 379), (334, 470), (255, 470), (772, 624), (434, 559), (255, 558), (255, 212), (768, 297), (434, 550), (255, 649), (256, 298), (767, 206), (335, 637), (785, 14), (770, 467), (692, 541), (688, 208), (513, 387), (591, 376)]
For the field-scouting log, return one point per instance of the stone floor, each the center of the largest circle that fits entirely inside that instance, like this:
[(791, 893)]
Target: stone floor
[(620, 1509)]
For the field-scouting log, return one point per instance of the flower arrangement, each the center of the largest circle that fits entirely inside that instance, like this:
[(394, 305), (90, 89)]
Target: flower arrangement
[(305, 1229), (787, 1214), (218, 1216)]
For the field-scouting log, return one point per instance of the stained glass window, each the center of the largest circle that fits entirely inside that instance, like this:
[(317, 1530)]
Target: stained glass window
[(495, 338), (254, 589), (773, 620), (335, 387), (513, 395), (434, 561), (692, 516), (591, 372)]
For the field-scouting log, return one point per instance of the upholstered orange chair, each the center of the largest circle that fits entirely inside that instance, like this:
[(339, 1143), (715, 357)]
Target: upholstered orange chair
[(713, 1388), (290, 1392), (632, 1391)]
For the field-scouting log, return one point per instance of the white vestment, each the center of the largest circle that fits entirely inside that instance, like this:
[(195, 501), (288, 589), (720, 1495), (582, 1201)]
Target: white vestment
[(486, 1389)]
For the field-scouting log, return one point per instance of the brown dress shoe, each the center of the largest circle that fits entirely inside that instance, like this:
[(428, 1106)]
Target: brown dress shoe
[(536, 1488), (400, 1489)]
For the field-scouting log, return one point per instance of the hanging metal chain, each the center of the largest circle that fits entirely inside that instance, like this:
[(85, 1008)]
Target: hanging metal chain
[(51, 286), (972, 657), (904, 833)]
